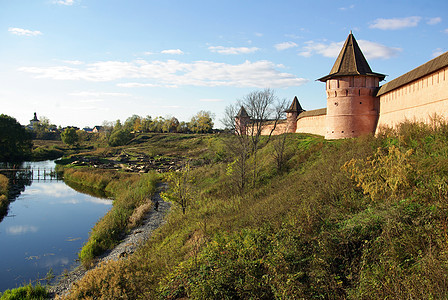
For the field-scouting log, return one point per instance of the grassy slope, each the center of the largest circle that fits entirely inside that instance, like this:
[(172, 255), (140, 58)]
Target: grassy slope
[(325, 228)]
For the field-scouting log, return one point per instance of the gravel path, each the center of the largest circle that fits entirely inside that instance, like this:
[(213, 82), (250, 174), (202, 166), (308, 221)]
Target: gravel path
[(128, 245)]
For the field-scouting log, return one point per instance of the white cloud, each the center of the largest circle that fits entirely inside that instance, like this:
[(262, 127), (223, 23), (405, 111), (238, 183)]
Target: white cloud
[(437, 52), (371, 50), (434, 21), (25, 32), (172, 51), (232, 50), (99, 94), (173, 73), (285, 45), (64, 2), (395, 23), (347, 7), (327, 50), (258, 34), (138, 84), (73, 62), (211, 100), (446, 30)]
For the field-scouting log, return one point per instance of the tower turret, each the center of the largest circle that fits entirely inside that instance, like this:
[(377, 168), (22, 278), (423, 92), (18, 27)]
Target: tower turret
[(292, 113), (352, 105), (242, 119)]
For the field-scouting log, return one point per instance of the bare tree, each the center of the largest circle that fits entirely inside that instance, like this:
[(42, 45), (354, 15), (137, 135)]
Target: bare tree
[(181, 188), (256, 114), (279, 150)]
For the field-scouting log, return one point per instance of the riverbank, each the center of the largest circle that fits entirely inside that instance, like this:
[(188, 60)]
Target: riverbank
[(3, 195), (152, 220)]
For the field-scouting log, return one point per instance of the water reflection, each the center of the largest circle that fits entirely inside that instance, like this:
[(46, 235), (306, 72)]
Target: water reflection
[(21, 229), (46, 225)]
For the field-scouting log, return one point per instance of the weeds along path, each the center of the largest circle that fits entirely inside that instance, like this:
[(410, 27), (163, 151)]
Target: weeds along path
[(152, 220), (139, 235)]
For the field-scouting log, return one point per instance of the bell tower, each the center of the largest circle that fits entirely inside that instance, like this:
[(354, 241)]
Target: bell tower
[(352, 105)]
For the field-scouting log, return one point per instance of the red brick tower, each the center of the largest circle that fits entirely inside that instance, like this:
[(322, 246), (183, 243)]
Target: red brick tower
[(292, 113), (352, 105), (242, 119)]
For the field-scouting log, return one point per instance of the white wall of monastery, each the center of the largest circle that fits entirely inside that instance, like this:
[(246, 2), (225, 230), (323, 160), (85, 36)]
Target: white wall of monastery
[(418, 100), (312, 124)]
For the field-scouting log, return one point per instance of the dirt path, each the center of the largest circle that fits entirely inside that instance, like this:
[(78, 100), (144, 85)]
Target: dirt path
[(128, 245)]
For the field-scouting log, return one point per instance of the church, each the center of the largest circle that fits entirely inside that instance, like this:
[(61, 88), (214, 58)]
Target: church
[(358, 105)]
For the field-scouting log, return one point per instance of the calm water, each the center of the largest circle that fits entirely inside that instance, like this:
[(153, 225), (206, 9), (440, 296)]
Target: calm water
[(45, 228)]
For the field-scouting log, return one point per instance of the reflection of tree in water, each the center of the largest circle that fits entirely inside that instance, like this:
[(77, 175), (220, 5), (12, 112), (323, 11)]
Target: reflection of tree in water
[(86, 190), (18, 180)]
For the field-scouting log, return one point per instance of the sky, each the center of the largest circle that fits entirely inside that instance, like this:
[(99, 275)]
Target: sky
[(83, 62)]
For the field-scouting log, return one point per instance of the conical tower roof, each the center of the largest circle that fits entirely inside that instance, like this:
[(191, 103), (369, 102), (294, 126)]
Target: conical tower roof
[(242, 113), (295, 106), (351, 62)]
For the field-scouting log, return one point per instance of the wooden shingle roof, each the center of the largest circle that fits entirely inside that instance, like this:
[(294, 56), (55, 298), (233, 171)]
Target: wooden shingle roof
[(351, 62), (295, 106), (313, 113), (242, 113), (427, 68)]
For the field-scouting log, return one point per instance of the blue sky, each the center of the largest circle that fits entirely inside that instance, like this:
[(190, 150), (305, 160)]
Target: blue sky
[(82, 62)]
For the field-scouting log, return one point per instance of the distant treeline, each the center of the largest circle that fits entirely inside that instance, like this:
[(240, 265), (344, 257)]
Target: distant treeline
[(15, 140)]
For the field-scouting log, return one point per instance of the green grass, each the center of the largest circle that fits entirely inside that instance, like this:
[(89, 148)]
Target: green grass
[(323, 228), (28, 292)]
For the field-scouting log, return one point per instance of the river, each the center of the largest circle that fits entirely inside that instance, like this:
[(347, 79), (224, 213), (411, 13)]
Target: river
[(45, 227)]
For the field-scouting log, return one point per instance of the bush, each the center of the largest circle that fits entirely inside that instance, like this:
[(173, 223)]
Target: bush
[(28, 292), (119, 138)]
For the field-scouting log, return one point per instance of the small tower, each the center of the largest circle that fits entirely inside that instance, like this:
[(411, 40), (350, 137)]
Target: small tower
[(291, 115), (352, 105), (242, 119)]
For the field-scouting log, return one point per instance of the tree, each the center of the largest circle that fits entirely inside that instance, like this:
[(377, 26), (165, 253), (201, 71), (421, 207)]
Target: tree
[(44, 130), (15, 140), (157, 124), (146, 124), (130, 123), (119, 137), (69, 136), (202, 122), (264, 109), (170, 124), (181, 188), (279, 152)]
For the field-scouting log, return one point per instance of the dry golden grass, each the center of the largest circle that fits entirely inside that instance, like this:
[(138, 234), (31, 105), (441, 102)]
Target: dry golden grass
[(137, 216)]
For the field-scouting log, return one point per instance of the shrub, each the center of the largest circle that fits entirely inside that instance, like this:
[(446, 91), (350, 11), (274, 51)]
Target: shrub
[(28, 292)]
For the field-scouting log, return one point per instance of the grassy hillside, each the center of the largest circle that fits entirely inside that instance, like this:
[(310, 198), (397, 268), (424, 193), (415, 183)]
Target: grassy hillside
[(360, 219)]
